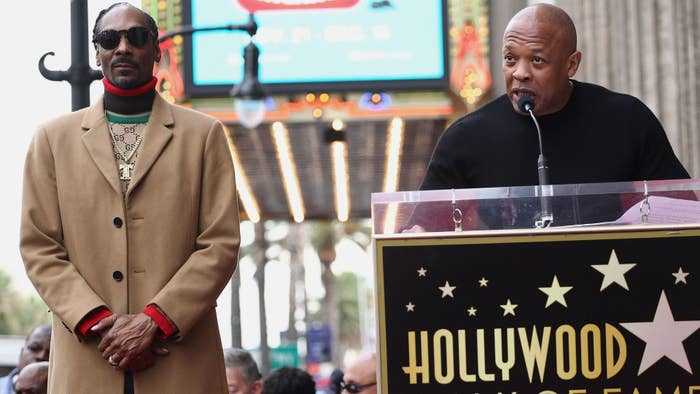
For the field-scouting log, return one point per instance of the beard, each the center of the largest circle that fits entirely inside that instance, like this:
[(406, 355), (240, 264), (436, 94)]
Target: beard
[(128, 78), (126, 82)]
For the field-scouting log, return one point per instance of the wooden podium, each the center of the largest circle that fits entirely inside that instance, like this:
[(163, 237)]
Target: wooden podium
[(579, 307)]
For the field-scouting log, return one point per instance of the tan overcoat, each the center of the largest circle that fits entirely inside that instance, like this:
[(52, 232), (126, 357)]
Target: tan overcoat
[(177, 244)]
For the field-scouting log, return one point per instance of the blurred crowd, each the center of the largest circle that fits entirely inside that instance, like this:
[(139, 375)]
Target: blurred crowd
[(243, 377), (242, 373)]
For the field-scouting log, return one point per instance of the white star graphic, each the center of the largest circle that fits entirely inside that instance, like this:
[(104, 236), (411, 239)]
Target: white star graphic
[(422, 271), (483, 282), (509, 308), (613, 272), (409, 307), (664, 337), (680, 276), (471, 311), (555, 293), (447, 290)]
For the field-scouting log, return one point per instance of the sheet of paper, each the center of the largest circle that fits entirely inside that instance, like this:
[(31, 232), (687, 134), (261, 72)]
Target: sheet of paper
[(663, 210)]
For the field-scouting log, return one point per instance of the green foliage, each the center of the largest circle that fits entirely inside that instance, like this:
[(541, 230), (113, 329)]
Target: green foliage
[(19, 313), (321, 232)]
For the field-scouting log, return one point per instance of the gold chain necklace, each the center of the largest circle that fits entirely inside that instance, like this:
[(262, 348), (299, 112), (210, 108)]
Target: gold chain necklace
[(125, 169)]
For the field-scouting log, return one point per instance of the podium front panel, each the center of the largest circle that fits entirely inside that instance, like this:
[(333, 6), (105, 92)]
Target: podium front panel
[(585, 310)]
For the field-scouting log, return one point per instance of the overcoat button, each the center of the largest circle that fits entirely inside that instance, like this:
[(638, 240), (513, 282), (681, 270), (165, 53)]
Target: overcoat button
[(118, 276), (117, 222)]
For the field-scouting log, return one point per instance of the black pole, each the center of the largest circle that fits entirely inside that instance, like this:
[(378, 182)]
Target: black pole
[(80, 75), (80, 84)]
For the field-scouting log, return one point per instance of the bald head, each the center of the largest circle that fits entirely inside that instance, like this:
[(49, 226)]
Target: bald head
[(36, 346), (540, 58), (553, 17), (363, 371), (33, 378)]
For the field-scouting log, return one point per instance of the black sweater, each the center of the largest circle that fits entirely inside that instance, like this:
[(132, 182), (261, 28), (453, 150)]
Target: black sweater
[(599, 136)]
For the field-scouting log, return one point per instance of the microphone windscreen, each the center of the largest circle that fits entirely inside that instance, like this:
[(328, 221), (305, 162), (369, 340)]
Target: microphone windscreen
[(526, 103)]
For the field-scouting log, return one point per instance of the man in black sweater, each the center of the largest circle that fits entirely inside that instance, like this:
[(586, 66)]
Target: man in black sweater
[(589, 134), (598, 136)]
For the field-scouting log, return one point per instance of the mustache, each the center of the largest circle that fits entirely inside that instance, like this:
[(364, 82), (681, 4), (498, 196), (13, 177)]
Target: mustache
[(123, 60)]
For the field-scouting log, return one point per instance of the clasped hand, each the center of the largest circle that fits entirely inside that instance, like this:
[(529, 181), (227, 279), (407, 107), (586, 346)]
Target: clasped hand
[(128, 341)]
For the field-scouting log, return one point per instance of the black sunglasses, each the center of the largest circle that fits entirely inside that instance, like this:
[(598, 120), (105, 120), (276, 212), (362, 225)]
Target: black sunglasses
[(354, 387), (110, 39)]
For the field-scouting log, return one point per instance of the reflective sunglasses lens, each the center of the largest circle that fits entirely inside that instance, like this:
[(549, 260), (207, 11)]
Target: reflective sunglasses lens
[(137, 36), (109, 39)]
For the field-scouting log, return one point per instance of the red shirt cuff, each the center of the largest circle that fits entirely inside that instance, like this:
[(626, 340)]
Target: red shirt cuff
[(91, 319), (166, 329)]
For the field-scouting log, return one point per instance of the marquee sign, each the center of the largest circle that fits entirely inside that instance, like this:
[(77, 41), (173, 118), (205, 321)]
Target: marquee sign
[(549, 312)]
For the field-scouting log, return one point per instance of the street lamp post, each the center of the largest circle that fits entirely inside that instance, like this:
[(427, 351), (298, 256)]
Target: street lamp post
[(249, 95)]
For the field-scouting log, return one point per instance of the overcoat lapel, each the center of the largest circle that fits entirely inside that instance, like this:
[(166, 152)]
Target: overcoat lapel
[(156, 138), (97, 142)]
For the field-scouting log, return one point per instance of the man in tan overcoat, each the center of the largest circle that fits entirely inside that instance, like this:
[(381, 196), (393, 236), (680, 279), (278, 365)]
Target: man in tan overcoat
[(130, 229)]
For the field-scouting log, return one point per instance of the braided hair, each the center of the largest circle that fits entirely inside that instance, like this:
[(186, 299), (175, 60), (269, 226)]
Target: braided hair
[(150, 22)]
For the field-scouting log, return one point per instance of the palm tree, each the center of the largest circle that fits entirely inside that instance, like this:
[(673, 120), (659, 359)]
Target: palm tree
[(323, 240), (236, 310), (260, 260), (296, 239)]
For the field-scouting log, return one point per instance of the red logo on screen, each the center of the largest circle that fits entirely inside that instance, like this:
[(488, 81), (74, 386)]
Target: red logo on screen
[(261, 5)]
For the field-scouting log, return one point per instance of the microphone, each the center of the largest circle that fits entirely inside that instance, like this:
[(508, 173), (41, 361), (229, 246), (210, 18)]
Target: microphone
[(336, 379), (527, 104)]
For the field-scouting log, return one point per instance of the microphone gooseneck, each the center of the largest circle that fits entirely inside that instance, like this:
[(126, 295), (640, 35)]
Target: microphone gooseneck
[(527, 104)]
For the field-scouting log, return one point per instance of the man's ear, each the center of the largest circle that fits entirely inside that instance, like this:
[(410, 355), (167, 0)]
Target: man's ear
[(256, 387), (573, 62), (97, 57), (158, 53)]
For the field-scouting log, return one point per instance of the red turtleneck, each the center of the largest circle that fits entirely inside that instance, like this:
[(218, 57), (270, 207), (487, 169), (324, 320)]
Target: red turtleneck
[(117, 91)]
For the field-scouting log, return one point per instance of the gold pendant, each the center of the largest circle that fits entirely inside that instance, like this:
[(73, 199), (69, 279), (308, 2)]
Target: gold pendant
[(125, 171)]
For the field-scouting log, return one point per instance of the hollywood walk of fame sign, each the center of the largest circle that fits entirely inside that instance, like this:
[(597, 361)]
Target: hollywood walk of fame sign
[(606, 310)]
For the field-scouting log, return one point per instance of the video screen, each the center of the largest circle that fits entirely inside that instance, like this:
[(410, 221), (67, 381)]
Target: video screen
[(329, 45)]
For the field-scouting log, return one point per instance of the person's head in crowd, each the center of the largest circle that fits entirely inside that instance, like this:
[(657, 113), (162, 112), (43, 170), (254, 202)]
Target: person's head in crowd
[(33, 378), (36, 346), (242, 372), (539, 57), (126, 45), (361, 375), (289, 380)]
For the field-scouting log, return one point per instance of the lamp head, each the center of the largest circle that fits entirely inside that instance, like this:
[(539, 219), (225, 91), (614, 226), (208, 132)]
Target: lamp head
[(334, 132), (249, 95)]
